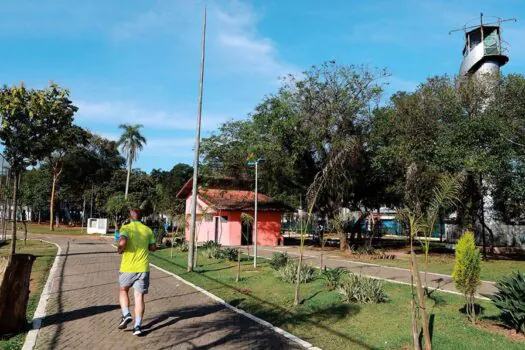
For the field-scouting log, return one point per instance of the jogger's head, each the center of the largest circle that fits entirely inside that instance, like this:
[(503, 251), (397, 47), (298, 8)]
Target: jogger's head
[(135, 214)]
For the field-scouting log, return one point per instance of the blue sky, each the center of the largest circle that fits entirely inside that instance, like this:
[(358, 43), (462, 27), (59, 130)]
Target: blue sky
[(138, 61)]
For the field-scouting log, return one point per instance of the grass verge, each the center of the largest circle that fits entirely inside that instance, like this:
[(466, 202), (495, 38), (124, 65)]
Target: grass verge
[(45, 254), (326, 322)]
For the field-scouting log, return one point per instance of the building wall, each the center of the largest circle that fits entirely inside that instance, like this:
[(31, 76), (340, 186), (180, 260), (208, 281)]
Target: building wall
[(229, 226)]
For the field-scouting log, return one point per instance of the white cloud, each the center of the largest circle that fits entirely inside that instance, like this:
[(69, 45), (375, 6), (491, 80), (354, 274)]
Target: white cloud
[(232, 38), (117, 112)]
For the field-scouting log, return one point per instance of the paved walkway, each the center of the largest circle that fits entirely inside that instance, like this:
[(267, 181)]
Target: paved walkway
[(83, 310), (395, 274)]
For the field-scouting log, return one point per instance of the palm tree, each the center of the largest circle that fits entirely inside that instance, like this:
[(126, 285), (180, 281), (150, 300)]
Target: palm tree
[(131, 142)]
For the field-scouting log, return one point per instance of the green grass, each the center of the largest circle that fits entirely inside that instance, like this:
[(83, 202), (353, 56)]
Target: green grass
[(44, 229), (491, 270), (324, 321), (45, 254)]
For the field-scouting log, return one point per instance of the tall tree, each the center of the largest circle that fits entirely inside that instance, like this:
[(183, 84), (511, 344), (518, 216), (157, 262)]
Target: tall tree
[(69, 142), (131, 141), (30, 123)]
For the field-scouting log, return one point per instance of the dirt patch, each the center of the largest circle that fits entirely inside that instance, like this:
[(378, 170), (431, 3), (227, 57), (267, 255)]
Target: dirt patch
[(494, 327)]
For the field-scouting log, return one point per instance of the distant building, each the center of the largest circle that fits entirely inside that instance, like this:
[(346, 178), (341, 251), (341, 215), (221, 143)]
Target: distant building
[(220, 212)]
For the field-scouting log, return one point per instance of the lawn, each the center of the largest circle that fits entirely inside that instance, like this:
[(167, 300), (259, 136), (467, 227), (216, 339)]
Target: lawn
[(61, 230), (491, 270), (324, 321), (45, 254)]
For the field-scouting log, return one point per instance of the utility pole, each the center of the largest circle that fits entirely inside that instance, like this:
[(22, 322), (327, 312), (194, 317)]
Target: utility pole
[(255, 218), (256, 164), (191, 251)]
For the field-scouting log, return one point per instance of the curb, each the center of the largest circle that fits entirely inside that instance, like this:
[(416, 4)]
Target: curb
[(40, 312), (256, 319)]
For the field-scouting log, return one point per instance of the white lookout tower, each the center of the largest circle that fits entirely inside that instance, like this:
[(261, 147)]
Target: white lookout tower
[(484, 51)]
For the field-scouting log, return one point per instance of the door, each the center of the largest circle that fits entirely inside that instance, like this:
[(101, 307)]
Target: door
[(217, 222)]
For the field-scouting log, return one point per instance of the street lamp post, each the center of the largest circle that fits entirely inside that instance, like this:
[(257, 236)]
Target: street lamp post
[(256, 164)]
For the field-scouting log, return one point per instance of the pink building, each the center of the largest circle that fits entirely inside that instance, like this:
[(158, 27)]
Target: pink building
[(219, 214)]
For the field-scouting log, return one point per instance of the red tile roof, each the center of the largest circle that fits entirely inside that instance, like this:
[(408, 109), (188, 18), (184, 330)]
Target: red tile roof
[(239, 200)]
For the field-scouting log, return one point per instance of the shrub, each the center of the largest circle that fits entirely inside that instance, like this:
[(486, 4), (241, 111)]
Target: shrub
[(510, 299), (333, 277), (288, 272), (357, 288), (467, 268), (216, 252), (230, 253), (184, 246), (210, 244), (278, 260)]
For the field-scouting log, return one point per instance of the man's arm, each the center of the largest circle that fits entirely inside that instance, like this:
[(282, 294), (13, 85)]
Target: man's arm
[(152, 246), (123, 240)]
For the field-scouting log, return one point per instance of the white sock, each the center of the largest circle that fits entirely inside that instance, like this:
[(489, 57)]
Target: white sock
[(138, 321), (125, 311)]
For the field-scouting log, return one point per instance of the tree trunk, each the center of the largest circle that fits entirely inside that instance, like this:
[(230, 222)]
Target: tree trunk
[(15, 200), (39, 216), (415, 333), (14, 293), (238, 276), (52, 203), (421, 299), (127, 178), (343, 241), (298, 282)]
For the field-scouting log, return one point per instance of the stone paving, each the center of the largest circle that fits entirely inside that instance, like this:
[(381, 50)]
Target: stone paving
[(83, 310)]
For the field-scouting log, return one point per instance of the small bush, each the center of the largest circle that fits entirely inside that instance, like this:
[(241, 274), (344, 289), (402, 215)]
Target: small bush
[(510, 299), (357, 288), (216, 252), (467, 269), (184, 246), (288, 272), (278, 260), (230, 253), (333, 277), (210, 244)]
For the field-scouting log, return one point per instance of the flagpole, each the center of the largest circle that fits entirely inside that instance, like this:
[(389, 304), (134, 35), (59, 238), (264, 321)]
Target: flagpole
[(191, 250)]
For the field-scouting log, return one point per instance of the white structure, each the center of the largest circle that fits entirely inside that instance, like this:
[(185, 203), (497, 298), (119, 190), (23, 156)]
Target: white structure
[(97, 226)]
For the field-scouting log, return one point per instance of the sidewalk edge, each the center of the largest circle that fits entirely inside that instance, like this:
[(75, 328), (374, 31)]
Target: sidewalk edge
[(260, 321), (40, 312)]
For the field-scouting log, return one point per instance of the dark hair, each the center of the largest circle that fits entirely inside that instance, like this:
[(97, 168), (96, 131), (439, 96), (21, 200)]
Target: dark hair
[(135, 214)]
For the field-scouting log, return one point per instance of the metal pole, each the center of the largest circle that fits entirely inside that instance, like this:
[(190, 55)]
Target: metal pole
[(91, 207), (191, 250), (255, 218)]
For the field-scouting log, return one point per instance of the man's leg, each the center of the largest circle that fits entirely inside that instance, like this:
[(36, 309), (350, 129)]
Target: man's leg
[(124, 300), (139, 307), (124, 281)]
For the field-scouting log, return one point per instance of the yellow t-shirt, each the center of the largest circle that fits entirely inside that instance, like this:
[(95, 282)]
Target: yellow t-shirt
[(136, 255)]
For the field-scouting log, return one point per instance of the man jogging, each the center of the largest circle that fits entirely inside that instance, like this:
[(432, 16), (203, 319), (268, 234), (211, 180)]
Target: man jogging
[(135, 242)]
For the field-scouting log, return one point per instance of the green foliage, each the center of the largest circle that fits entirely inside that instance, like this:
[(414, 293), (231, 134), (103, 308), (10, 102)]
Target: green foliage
[(333, 277), (278, 260), (118, 207), (288, 272), (510, 299), (210, 244), (216, 251), (184, 246), (361, 289), (467, 268), (131, 141)]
